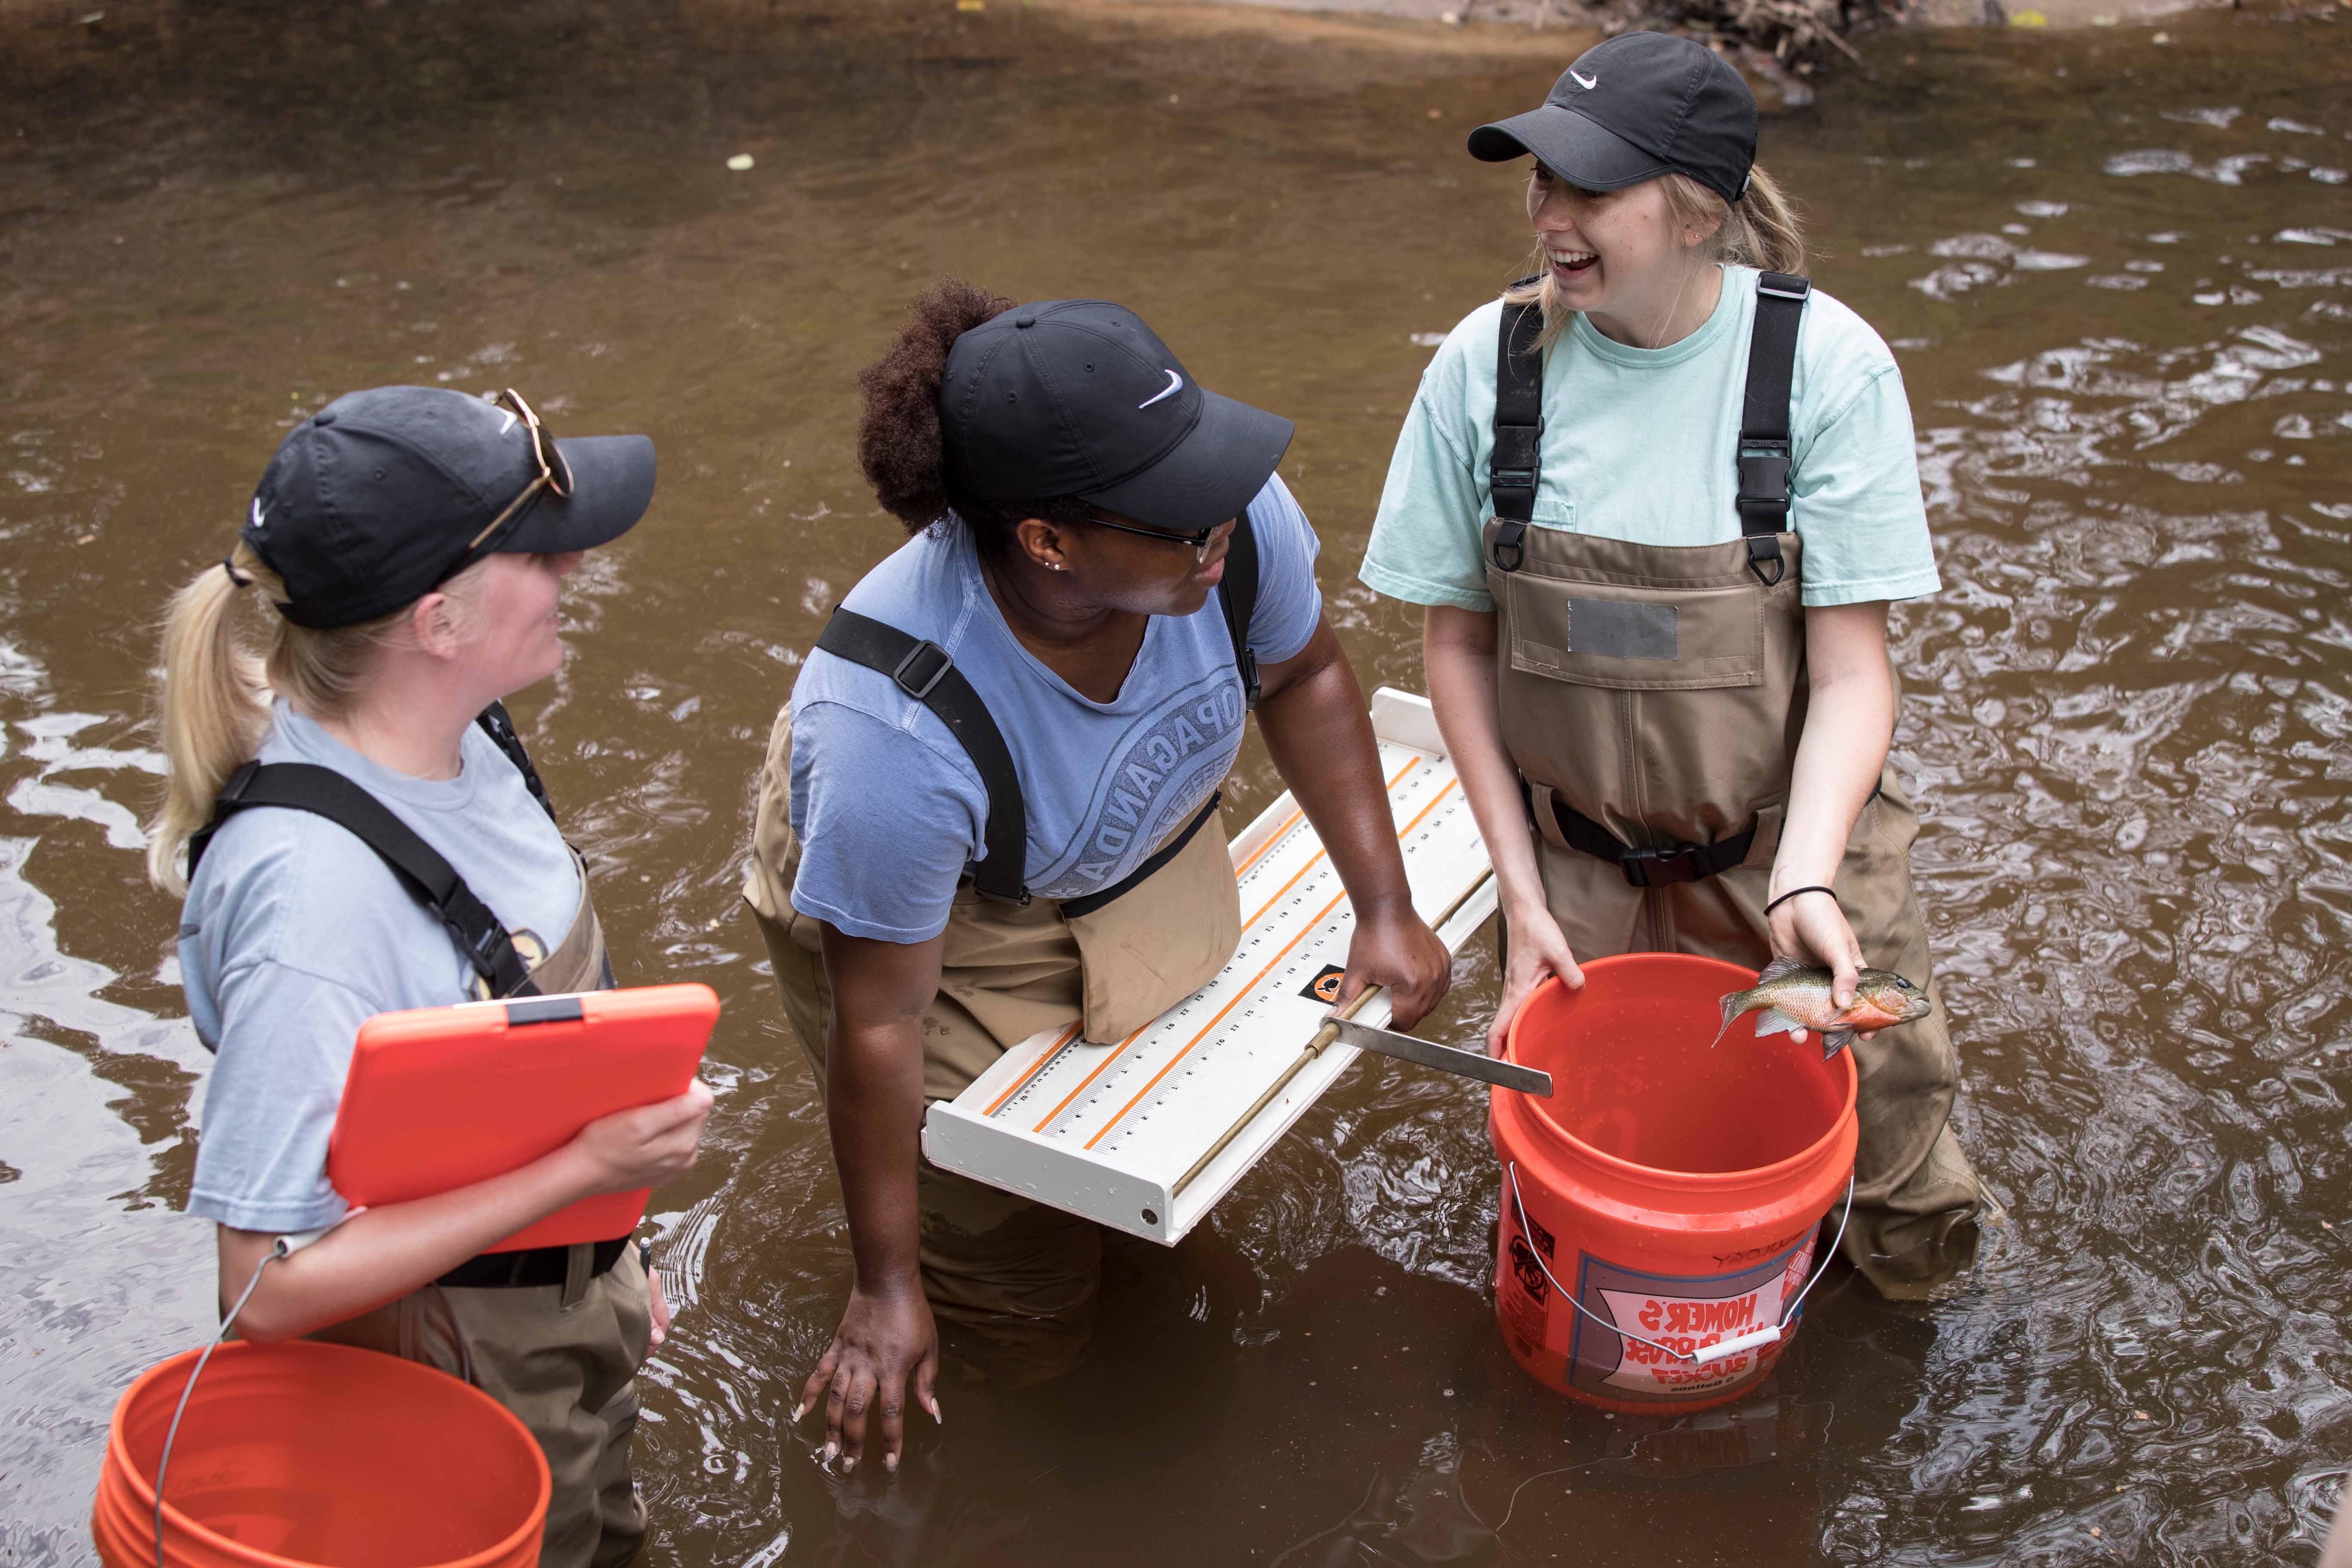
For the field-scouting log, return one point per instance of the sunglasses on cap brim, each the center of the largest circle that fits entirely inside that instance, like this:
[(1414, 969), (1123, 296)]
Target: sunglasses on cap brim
[(554, 474)]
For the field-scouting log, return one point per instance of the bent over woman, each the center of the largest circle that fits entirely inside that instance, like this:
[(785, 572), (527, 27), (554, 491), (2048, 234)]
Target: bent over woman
[(990, 807), (364, 833), (1655, 501)]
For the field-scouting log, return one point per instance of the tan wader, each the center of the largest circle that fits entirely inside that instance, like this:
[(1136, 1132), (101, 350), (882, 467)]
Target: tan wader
[(1015, 1280), (1660, 692), (564, 1358)]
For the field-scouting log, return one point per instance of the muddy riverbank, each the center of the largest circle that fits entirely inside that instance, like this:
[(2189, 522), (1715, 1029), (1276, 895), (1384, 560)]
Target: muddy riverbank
[(2118, 276)]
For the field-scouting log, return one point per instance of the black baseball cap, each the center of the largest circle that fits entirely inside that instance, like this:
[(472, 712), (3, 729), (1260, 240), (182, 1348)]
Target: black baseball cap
[(1078, 398), (1638, 106), (382, 495)]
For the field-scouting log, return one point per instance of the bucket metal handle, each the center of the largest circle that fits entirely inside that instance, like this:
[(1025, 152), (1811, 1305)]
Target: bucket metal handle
[(1705, 1354)]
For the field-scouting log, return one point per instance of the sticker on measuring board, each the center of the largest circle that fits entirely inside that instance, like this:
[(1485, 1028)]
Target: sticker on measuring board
[(1687, 1313), (1325, 986)]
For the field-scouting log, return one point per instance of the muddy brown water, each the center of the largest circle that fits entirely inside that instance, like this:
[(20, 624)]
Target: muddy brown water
[(2119, 279)]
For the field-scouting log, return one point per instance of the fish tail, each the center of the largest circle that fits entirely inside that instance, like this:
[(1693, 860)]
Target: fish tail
[(1734, 1005)]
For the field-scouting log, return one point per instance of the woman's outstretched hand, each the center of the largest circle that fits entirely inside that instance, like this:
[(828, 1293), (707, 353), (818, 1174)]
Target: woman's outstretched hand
[(886, 1348), (1537, 949)]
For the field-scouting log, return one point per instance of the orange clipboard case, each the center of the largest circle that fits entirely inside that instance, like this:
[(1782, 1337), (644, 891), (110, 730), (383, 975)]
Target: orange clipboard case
[(441, 1098)]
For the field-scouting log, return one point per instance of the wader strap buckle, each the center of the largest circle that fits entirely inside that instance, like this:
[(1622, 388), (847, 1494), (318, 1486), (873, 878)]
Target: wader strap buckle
[(919, 685), (1764, 480), (1658, 867)]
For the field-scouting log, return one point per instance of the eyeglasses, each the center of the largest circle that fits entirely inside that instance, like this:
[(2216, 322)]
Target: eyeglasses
[(554, 473), (1199, 540)]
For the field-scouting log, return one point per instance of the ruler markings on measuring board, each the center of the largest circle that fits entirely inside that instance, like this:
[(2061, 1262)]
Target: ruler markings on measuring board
[(1119, 1062), (1314, 926), (1019, 1095), (1120, 1067)]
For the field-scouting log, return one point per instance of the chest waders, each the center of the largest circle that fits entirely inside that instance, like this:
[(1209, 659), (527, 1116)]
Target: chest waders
[(553, 1333), (1652, 698), (1013, 1283)]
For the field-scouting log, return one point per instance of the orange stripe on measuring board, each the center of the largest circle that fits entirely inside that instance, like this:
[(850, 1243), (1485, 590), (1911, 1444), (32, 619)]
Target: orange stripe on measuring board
[(1254, 981), (1045, 1061)]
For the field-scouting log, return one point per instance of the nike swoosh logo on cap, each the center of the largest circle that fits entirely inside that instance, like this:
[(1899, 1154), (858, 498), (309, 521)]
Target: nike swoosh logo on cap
[(257, 513), (1587, 83), (1175, 385)]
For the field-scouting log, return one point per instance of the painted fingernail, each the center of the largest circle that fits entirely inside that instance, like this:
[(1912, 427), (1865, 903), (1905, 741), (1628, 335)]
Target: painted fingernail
[(832, 1452), (848, 1463), (890, 1463), (798, 1411), (937, 1419)]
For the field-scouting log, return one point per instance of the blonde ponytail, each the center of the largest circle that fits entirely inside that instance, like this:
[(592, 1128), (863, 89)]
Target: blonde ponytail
[(1759, 230), (214, 701)]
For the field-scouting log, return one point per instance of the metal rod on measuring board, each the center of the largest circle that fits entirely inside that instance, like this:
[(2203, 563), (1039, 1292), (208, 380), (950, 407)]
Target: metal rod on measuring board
[(1322, 1040)]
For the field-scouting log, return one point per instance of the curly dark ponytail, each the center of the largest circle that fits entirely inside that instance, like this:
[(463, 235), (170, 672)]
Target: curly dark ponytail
[(898, 443)]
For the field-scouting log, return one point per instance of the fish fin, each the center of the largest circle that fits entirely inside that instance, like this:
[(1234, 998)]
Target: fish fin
[(1734, 1005), (1835, 1040), (1772, 1021), (1783, 966)]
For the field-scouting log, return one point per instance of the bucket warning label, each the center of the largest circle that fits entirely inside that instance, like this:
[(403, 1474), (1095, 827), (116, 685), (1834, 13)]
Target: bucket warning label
[(1658, 1315)]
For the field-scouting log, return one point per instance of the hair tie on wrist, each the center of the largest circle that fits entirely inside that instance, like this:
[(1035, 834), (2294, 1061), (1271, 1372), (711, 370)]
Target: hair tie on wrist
[(236, 577), (1795, 892)]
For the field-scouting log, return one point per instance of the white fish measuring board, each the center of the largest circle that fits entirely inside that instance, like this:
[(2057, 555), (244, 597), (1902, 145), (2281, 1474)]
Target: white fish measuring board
[(1111, 1131)]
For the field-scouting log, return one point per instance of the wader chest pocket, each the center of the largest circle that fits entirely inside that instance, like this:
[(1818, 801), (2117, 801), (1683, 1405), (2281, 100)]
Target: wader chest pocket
[(1643, 639)]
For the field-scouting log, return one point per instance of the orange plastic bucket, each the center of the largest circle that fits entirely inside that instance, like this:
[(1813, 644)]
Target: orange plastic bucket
[(302, 1454), (1660, 1212)]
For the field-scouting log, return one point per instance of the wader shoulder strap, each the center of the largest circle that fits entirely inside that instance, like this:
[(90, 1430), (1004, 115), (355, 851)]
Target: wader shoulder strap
[(1237, 591), (1764, 450), (923, 670), (501, 731), (1515, 465), (323, 792)]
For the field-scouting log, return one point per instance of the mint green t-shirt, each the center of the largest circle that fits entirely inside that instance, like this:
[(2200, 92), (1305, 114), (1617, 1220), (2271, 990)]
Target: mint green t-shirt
[(1640, 444)]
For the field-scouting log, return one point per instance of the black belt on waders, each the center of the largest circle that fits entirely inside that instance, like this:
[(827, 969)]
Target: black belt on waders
[(1645, 867), (1765, 466), (428, 874), (924, 671)]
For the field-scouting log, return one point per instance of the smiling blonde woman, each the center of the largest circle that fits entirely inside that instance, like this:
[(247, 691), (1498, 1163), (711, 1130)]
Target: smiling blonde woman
[(1655, 501)]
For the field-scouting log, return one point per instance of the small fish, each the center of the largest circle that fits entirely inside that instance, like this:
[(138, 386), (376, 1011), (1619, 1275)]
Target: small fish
[(1795, 995)]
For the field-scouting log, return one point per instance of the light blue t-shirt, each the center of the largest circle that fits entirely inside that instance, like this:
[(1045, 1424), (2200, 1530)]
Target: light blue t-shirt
[(889, 808), (1641, 445), (295, 933)]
